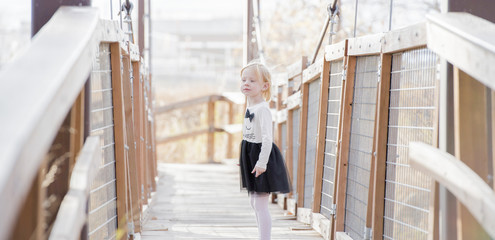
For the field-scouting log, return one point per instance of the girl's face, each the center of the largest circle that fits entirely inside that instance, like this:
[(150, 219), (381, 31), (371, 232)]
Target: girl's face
[(251, 84)]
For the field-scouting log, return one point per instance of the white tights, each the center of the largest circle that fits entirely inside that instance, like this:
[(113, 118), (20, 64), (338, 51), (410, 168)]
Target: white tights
[(259, 202)]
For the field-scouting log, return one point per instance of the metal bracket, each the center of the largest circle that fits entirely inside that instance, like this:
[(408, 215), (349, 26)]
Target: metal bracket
[(130, 227), (367, 233), (333, 210)]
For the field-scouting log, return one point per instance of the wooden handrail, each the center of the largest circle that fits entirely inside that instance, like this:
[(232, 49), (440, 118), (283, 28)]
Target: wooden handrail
[(36, 96), (466, 41), (194, 101), (72, 214), (461, 181), (231, 129)]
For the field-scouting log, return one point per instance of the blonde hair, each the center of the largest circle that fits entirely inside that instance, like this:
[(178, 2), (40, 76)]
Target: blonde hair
[(264, 74)]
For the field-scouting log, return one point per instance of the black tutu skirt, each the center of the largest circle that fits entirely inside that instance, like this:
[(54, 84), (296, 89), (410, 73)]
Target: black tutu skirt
[(274, 179)]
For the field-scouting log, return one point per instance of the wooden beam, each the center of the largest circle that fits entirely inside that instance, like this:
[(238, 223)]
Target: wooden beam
[(297, 67), (345, 140), (182, 136), (410, 37), (280, 79), (294, 100), (466, 41), (30, 121), (366, 45), (119, 132), (134, 52), (282, 116), (377, 181), (313, 71), (471, 135), (320, 136), (191, 102), (468, 187), (322, 225), (342, 236), (336, 51)]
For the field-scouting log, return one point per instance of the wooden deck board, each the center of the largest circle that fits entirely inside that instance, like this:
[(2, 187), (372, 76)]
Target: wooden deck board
[(203, 201)]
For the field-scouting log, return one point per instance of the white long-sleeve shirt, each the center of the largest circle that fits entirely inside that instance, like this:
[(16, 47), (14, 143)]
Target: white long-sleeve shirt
[(259, 130)]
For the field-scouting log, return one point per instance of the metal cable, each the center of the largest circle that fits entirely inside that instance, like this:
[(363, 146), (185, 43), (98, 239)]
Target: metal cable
[(390, 15), (333, 11), (257, 24), (111, 10), (355, 17)]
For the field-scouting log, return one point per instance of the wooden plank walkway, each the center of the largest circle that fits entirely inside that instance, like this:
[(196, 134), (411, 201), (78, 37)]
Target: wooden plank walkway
[(203, 201)]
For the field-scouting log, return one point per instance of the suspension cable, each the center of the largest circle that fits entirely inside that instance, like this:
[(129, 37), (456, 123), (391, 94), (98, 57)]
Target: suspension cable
[(127, 8), (257, 24), (333, 11), (390, 15), (355, 17)]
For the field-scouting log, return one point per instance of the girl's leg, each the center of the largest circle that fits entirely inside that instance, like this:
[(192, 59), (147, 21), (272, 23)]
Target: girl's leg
[(263, 215), (252, 200)]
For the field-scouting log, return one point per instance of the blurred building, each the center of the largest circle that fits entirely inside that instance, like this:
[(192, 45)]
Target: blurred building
[(197, 51)]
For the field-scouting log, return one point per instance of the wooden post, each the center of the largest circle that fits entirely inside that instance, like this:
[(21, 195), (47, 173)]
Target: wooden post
[(77, 129), (43, 10), (153, 139), (337, 151), (278, 130), (131, 165), (229, 135), (119, 132), (31, 220), (471, 134), (301, 168), (377, 175), (146, 158), (344, 147), (434, 209), (289, 155), (138, 121), (493, 137), (211, 131), (142, 160), (320, 136)]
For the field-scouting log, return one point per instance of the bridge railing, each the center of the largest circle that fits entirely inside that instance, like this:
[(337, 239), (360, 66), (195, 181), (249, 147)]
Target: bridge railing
[(345, 123), (215, 123), (77, 79)]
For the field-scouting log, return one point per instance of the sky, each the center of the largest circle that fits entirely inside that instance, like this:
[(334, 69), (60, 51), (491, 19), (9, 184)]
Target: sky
[(12, 13)]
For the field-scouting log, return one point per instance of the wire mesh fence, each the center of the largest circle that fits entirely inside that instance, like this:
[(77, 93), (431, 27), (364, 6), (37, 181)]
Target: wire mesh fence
[(283, 144), (312, 123), (295, 146), (412, 113), (103, 196), (331, 137), (361, 144)]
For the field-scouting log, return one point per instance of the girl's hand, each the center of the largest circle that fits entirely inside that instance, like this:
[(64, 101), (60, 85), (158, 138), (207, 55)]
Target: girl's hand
[(258, 171)]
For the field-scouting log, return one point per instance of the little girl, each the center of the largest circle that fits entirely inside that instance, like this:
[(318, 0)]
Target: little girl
[(262, 166)]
